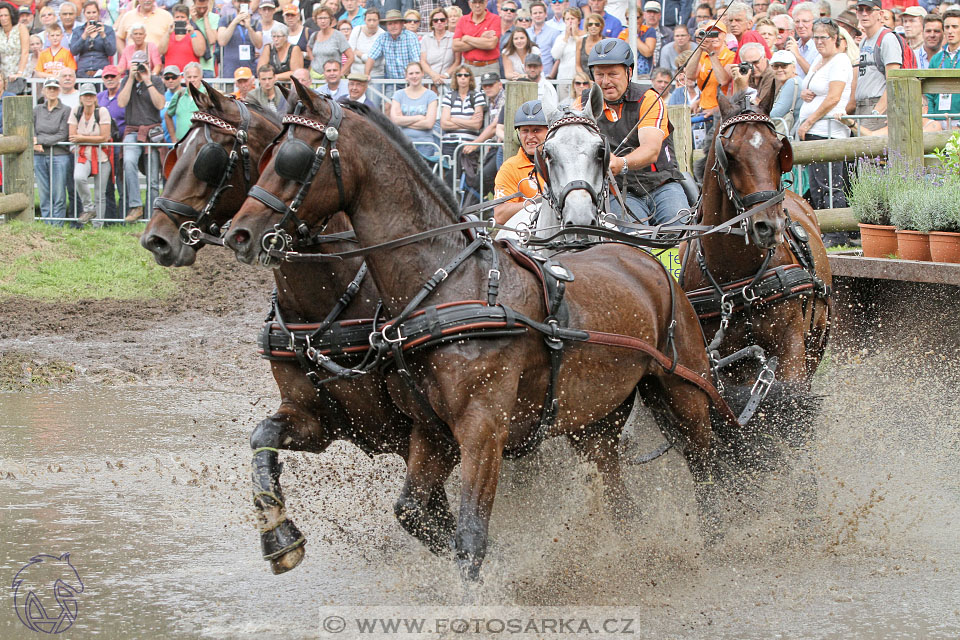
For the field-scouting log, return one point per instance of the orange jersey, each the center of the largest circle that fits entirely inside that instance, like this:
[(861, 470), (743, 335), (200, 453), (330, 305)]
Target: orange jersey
[(707, 79), (653, 112), (53, 63), (514, 175)]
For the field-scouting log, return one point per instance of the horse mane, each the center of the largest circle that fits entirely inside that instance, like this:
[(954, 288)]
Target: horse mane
[(408, 151), (739, 103)]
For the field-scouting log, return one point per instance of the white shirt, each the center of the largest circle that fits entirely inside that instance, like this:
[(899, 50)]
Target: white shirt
[(837, 69)]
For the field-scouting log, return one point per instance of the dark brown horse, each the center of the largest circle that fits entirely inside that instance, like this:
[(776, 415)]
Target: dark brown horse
[(488, 393), (309, 418)]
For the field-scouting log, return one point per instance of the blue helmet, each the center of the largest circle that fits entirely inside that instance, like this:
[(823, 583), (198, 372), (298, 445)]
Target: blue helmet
[(530, 113), (611, 51)]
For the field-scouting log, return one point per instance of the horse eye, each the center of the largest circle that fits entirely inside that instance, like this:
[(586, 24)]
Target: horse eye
[(600, 153)]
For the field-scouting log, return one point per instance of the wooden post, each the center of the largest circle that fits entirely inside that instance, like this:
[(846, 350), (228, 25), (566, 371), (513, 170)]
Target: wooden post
[(517, 94), (679, 116), (18, 167), (905, 120)]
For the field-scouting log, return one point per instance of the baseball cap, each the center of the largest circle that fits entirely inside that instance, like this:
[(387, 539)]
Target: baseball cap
[(358, 77), (51, 82), (917, 12), (87, 89), (268, 3), (652, 6), (873, 4), (242, 73), (532, 58), (110, 70), (290, 9), (24, 10), (393, 15), (171, 69), (783, 57), (139, 56), (718, 26), (490, 77)]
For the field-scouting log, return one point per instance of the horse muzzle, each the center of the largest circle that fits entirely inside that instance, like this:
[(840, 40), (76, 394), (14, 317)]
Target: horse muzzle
[(167, 249), (767, 234)]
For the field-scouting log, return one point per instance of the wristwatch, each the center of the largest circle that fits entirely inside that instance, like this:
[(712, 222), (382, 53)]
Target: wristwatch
[(625, 167)]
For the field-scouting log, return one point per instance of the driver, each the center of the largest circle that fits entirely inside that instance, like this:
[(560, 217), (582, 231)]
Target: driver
[(646, 166), (530, 125)]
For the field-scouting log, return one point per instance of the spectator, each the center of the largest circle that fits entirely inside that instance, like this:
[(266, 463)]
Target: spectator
[(242, 83), (266, 96), (739, 18), (90, 125), (265, 11), (760, 78), (674, 12), (3, 94), (142, 97), (703, 13), (912, 19), (398, 47), (36, 46), (69, 95), (284, 57), (54, 58), (660, 79), (888, 19), (670, 51), (94, 46), (685, 90), (495, 97), (298, 34), (171, 85), (353, 13), (68, 20), (156, 23), (25, 17), (346, 29), (109, 98), (508, 18), (558, 20), (802, 47), (361, 41), (14, 44), (138, 34), (546, 93), (932, 40), (207, 23), (825, 91), (181, 106), (710, 67), (594, 34), (335, 87), (871, 90), (543, 36), (184, 44), (477, 37), (47, 17), (357, 84), (437, 57), (779, 9), (51, 163), (565, 51), (768, 31), (787, 103), (947, 58), (785, 30), (328, 44), (515, 53), (414, 110), (648, 39), (760, 11), (236, 43), (411, 21), (461, 113), (611, 26), (454, 13), (302, 75)]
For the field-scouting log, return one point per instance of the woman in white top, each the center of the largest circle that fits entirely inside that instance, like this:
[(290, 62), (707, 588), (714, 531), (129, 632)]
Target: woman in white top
[(825, 92), (361, 41), (437, 56), (518, 47), (564, 51), (91, 128), (14, 44)]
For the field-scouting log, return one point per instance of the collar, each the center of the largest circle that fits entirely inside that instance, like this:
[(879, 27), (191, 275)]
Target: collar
[(946, 50), (473, 16)]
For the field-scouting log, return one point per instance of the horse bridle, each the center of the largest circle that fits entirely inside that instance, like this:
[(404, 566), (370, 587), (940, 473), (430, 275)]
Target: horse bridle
[(215, 166), (297, 162), (757, 200), (557, 199)]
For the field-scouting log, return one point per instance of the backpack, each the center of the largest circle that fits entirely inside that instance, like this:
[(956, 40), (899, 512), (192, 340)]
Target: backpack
[(114, 129), (909, 59)]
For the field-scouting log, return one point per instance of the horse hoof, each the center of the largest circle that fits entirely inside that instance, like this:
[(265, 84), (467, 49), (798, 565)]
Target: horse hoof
[(282, 546), (288, 560)]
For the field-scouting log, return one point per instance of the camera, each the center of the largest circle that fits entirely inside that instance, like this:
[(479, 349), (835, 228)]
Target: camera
[(94, 24), (703, 33), (141, 68), (180, 27), (744, 68)]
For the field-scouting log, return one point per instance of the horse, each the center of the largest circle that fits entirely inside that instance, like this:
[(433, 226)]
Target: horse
[(486, 395), (310, 417)]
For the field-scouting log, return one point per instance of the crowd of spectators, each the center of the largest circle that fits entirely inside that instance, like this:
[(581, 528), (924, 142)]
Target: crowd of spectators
[(118, 71)]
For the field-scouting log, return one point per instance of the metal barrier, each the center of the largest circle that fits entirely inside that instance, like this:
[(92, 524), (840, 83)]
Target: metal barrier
[(458, 192)]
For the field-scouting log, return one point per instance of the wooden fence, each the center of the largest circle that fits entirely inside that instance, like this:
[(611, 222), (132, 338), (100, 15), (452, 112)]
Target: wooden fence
[(16, 145)]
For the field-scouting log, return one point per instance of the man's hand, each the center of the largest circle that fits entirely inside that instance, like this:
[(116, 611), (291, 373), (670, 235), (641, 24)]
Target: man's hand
[(616, 164), (38, 148)]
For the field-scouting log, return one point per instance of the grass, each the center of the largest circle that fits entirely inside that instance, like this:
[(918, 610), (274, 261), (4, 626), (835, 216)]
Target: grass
[(62, 264)]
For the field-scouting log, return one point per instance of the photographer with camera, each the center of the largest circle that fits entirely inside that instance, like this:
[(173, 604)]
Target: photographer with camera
[(710, 68), (184, 44), (93, 46), (142, 97), (754, 72)]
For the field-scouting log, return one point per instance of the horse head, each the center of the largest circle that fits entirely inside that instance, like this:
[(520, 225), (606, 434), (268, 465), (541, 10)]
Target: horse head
[(207, 175), (573, 161), (748, 157)]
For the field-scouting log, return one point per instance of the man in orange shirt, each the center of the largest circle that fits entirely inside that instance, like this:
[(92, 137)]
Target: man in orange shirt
[(710, 67), (530, 123), (54, 58)]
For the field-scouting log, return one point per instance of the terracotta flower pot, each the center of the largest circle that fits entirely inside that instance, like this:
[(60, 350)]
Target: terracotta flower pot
[(879, 240), (913, 245), (945, 246)]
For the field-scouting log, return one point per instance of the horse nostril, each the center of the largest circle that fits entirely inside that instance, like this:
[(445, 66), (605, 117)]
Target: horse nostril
[(240, 237), (157, 245)]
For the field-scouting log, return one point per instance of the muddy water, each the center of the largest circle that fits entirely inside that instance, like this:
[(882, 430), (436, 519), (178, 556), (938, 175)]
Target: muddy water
[(147, 489)]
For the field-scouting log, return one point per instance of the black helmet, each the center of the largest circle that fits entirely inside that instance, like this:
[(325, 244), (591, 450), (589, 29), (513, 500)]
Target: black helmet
[(530, 113), (611, 51)]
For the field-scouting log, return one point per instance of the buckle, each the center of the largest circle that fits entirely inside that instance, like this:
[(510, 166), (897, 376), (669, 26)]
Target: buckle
[(748, 294), (764, 381), (442, 273), (493, 274), (397, 340)]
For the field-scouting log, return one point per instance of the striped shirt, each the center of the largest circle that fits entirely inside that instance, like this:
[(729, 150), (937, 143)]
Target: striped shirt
[(397, 53), (462, 108)]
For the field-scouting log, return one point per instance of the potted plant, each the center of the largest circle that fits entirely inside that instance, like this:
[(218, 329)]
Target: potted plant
[(869, 197), (945, 211), (911, 214)]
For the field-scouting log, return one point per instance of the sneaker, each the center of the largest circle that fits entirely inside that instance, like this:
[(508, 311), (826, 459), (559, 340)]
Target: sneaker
[(87, 217), (135, 214)]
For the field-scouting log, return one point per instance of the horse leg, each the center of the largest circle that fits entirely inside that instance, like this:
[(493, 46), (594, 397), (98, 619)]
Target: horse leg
[(422, 508), (289, 428)]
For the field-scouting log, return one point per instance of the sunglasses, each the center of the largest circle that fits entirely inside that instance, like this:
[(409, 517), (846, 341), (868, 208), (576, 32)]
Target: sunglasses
[(781, 30), (581, 84), (507, 10), (463, 75), (557, 1), (411, 21), (524, 19), (439, 20), (779, 65), (169, 77), (824, 20), (594, 24)]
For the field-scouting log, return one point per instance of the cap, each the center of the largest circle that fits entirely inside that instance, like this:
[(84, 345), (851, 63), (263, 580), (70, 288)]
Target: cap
[(243, 73), (393, 15), (358, 77), (873, 4), (534, 59), (110, 70), (268, 3), (848, 19), (652, 6), (290, 9), (87, 89), (490, 77), (720, 26), (171, 69), (24, 10), (783, 57), (139, 56), (530, 113), (917, 12), (51, 82)]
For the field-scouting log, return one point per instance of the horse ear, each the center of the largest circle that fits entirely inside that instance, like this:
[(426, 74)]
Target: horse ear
[(201, 99), (726, 108), (304, 94), (216, 98), (284, 90), (595, 104), (767, 104)]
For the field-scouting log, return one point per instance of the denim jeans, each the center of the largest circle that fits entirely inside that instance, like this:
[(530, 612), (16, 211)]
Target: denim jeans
[(131, 173), (51, 173), (661, 206)]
